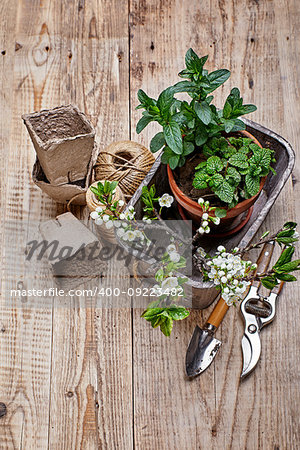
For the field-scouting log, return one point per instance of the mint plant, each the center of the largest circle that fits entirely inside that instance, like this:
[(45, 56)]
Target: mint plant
[(233, 168), (189, 125)]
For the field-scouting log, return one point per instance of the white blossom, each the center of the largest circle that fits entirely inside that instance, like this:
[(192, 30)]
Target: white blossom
[(204, 224), (147, 220), (201, 230), (94, 215), (169, 283), (166, 200), (120, 232), (109, 224), (205, 216), (106, 218), (122, 216), (121, 203), (221, 249), (171, 248), (100, 209), (98, 221), (174, 257), (200, 201)]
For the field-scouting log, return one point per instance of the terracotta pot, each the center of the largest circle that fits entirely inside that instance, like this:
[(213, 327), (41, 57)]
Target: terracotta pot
[(195, 211)]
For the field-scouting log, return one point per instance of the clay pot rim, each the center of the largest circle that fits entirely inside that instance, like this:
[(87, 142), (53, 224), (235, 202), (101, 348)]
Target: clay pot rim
[(231, 211)]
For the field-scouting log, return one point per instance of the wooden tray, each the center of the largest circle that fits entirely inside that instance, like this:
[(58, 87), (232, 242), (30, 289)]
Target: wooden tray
[(203, 292)]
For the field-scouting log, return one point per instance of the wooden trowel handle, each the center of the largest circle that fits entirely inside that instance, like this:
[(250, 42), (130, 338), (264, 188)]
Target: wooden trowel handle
[(218, 313)]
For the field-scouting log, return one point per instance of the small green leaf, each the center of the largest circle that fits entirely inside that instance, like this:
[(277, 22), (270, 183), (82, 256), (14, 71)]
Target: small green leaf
[(269, 282), (288, 267), (188, 148), (157, 142), (285, 257), (219, 212), (285, 277), (178, 312), (166, 326), (174, 161)]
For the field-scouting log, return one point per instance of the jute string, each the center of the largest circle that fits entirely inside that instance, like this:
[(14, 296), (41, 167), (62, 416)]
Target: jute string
[(129, 172)]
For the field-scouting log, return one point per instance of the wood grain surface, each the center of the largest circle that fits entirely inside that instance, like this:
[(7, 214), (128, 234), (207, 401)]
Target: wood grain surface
[(78, 376)]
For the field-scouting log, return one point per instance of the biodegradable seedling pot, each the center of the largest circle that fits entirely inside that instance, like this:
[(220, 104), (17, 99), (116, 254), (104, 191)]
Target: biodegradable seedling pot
[(195, 211), (63, 139), (64, 193)]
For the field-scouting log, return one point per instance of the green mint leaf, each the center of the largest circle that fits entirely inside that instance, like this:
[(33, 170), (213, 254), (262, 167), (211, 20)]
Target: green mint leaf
[(165, 101), (173, 137), (233, 174), (142, 123), (252, 184), (217, 78), (213, 165), (239, 160), (145, 99), (157, 142), (174, 161), (227, 110), (203, 111), (193, 62), (201, 135), (228, 125), (200, 180), (225, 192)]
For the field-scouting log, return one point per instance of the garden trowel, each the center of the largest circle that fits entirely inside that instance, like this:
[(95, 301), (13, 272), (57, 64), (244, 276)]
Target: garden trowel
[(203, 346)]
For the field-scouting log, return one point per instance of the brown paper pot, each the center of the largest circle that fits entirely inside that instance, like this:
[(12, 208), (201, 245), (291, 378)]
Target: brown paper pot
[(92, 203), (64, 140), (65, 192)]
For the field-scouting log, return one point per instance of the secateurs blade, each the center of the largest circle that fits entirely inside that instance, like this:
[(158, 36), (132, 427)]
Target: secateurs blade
[(257, 312)]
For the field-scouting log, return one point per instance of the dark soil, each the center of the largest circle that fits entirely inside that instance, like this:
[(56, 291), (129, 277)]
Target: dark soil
[(60, 123), (184, 178)]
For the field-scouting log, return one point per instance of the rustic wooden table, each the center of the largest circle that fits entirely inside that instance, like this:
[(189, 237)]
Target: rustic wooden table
[(102, 378)]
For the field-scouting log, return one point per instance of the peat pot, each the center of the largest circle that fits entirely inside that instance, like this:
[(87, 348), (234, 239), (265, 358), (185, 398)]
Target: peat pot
[(63, 139)]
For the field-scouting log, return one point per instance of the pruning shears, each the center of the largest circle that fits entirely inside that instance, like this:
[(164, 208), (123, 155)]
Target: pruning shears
[(257, 311)]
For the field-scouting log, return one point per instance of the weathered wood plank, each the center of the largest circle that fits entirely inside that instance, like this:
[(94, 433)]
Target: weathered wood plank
[(251, 39), (26, 330), (91, 378)]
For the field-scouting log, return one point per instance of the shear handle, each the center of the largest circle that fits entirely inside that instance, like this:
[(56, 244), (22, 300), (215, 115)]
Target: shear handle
[(264, 260)]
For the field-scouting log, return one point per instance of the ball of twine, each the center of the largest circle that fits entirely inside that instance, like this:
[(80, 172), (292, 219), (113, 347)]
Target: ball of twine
[(126, 162), (92, 203)]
